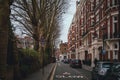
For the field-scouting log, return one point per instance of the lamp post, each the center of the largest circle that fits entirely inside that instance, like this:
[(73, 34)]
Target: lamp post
[(103, 43)]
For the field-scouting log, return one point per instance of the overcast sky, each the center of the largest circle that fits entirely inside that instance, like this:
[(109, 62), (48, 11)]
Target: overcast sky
[(67, 18)]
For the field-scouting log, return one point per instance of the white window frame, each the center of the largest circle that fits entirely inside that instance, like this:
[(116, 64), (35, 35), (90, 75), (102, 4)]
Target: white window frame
[(108, 3), (113, 2), (114, 21), (108, 24), (97, 17), (92, 6), (97, 2)]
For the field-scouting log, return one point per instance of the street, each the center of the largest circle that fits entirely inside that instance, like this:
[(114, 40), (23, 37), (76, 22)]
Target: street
[(65, 72)]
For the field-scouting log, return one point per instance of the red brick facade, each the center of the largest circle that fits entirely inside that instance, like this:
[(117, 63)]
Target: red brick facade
[(97, 30)]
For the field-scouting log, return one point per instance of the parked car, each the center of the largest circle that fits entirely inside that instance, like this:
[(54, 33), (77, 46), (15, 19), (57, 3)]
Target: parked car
[(75, 63), (114, 72), (99, 71), (66, 61), (62, 60)]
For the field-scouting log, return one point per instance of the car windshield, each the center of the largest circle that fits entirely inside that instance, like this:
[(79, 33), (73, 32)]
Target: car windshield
[(76, 61), (107, 65), (116, 67)]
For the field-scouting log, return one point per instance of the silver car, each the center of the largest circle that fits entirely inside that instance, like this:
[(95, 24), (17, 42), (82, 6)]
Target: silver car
[(99, 71)]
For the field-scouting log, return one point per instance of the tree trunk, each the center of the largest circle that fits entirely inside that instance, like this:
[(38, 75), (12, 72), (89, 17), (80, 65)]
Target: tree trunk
[(36, 42), (4, 23)]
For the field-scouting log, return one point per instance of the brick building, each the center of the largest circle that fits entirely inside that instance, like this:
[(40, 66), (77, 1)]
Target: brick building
[(97, 30), (25, 42), (63, 50), (72, 39)]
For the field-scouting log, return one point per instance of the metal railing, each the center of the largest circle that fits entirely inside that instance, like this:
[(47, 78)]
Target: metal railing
[(112, 36)]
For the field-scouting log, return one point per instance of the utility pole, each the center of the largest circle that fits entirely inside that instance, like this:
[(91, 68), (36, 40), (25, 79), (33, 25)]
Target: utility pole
[(103, 41)]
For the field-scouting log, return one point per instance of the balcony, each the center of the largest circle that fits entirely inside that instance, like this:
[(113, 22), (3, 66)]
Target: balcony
[(116, 35), (113, 36)]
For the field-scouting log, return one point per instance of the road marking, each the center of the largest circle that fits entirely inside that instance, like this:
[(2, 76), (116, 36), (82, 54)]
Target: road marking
[(82, 76), (70, 76), (78, 76), (51, 78), (66, 73)]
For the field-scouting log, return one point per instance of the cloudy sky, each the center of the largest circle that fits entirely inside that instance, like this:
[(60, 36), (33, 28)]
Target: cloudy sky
[(67, 18)]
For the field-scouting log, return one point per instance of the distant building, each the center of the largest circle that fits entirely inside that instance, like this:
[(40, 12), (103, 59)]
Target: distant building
[(72, 40), (63, 50), (57, 53), (25, 42)]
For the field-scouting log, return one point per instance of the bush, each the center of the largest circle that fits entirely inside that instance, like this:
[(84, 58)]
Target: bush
[(28, 61)]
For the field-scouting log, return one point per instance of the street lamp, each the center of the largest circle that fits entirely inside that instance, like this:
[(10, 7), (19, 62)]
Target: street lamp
[(103, 41)]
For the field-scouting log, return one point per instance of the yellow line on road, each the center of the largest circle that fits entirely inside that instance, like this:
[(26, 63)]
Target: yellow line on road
[(52, 76)]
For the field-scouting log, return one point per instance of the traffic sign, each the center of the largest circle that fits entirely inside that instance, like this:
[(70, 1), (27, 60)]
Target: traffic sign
[(103, 51)]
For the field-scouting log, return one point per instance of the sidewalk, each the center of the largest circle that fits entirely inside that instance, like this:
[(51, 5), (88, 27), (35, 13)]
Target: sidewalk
[(89, 68), (39, 74)]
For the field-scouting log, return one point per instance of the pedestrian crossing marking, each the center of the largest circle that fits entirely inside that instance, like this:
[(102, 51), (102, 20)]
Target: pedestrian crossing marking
[(66, 73), (69, 76)]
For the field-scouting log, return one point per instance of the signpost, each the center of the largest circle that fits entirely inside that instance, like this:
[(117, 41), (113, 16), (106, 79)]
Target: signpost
[(42, 41), (103, 52)]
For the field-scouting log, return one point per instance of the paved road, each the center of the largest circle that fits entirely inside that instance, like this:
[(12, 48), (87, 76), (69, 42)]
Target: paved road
[(65, 72)]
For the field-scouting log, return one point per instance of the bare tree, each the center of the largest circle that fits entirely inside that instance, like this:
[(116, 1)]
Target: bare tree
[(38, 16)]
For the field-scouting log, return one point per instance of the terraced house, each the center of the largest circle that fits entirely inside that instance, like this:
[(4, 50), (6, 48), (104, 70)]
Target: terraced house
[(97, 28)]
